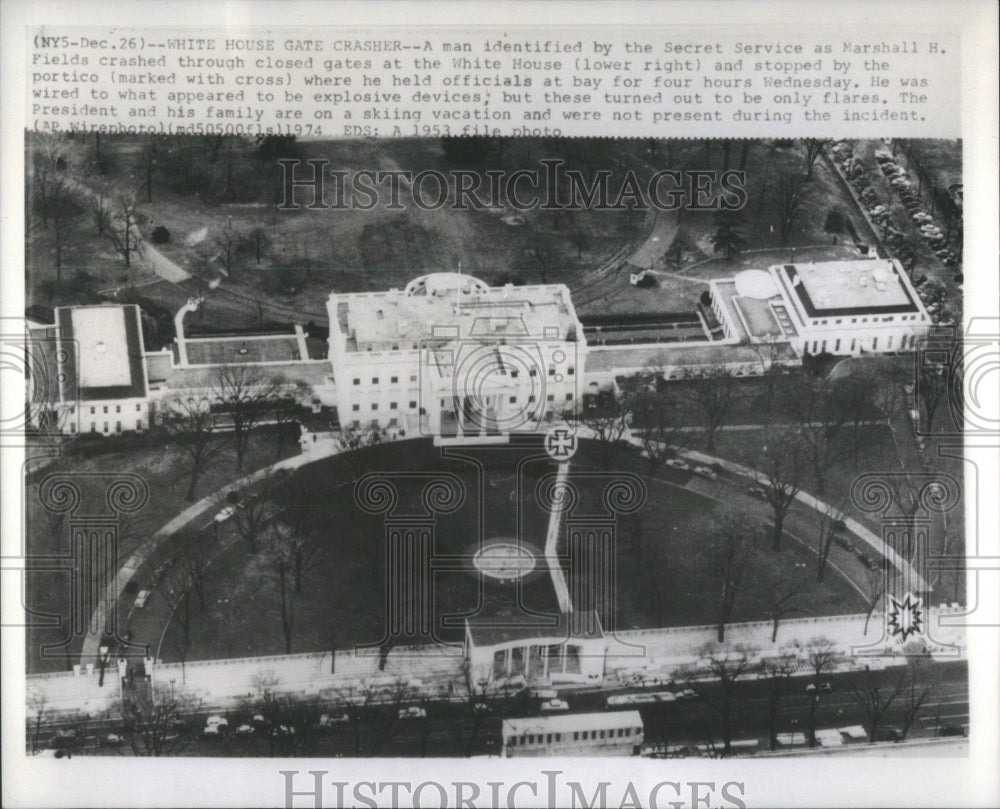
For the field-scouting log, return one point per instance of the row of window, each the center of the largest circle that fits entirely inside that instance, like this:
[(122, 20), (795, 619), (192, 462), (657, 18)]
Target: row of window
[(514, 374), (393, 380), (356, 407), (118, 409), (106, 428), (578, 735), (886, 319), (908, 340)]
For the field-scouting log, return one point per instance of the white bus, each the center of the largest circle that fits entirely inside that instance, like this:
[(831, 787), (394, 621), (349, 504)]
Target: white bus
[(580, 734)]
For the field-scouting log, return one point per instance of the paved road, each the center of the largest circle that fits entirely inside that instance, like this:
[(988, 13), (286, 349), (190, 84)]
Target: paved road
[(452, 729)]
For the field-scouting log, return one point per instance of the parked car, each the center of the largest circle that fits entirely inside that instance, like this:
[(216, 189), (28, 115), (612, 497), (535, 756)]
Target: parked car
[(215, 726), (686, 693), (951, 730), (889, 734), (413, 712), (757, 491), (678, 463), (824, 685), (705, 472), (868, 561), (63, 740), (844, 542), (555, 705), (328, 720), (282, 730), (111, 740), (141, 599), (481, 708), (226, 513), (245, 730)]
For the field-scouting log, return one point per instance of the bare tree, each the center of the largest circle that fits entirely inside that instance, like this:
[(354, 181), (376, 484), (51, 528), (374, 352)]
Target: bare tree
[(874, 587), (789, 198), (781, 595), (253, 510), (193, 559), (100, 211), (291, 724), (654, 417), (64, 213), (177, 597), (714, 393), (257, 241), (822, 656), (814, 148), (737, 538), (229, 240), (874, 698), (148, 162), (247, 394), (726, 665), (777, 673), (829, 525), (157, 727), (820, 415), (39, 711), (299, 530), (123, 231), (781, 466), (915, 691), (192, 425), (933, 382)]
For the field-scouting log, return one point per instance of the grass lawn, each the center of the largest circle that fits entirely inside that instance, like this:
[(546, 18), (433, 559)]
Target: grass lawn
[(164, 470), (343, 599)]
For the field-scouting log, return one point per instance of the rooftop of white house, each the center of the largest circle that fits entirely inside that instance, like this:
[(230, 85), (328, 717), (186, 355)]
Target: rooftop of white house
[(450, 306)]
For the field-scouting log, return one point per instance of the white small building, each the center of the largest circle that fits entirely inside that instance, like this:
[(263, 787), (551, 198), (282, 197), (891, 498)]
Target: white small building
[(450, 356), (93, 369), (837, 307)]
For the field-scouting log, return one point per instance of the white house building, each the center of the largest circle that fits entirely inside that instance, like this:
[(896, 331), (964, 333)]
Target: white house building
[(451, 357), (834, 307), (91, 364)]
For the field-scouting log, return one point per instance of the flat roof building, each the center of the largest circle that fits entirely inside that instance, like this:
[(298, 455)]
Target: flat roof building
[(451, 356), (834, 307), (94, 358)]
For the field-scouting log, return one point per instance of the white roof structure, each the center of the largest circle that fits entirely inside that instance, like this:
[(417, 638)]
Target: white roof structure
[(103, 346), (841, 286), (449, 306)]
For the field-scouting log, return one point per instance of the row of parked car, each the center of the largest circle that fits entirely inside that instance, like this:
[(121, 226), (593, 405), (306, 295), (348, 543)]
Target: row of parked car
[(683, 466)]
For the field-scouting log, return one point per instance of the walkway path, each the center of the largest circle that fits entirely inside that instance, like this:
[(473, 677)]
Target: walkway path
[(552, 541)]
